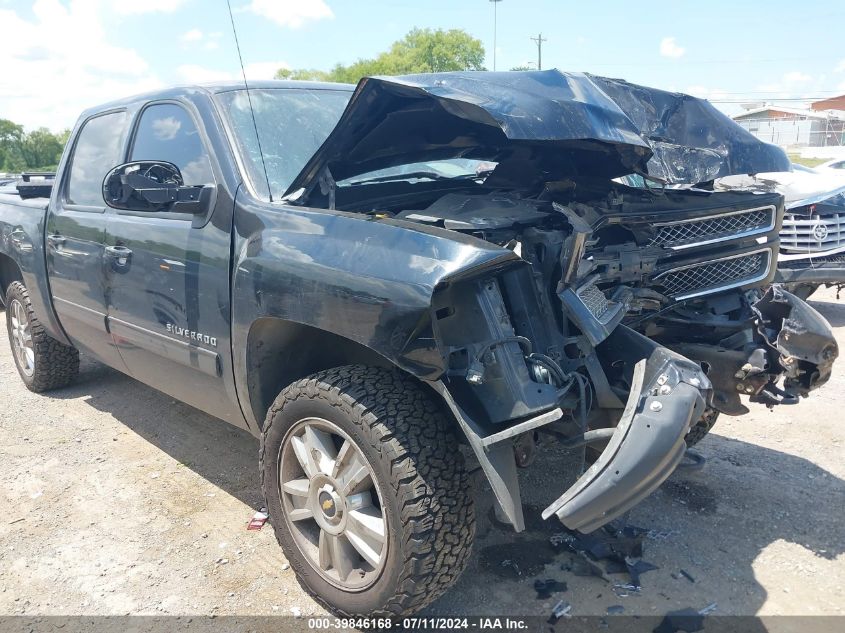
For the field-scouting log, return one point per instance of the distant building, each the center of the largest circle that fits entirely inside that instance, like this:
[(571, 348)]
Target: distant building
[(834, 103), (795, 127)]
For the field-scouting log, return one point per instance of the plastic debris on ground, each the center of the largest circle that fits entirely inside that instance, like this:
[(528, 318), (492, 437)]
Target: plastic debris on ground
[(687, 620), (615, 609), (621, 547), (258, 520), (636, 568), (545, 588), (561, 610), (687, 575)]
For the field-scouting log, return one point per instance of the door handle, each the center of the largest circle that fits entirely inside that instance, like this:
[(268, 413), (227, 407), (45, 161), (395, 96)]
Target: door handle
[(56, 240), (120, 256)]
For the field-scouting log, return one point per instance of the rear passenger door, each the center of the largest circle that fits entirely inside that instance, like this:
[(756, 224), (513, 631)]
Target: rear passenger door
[(76, 232), (168, 280)]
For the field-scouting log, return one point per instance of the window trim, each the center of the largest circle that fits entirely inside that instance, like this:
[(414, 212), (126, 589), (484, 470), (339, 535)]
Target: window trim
[(65, 203), (195, 221), (136, 124)]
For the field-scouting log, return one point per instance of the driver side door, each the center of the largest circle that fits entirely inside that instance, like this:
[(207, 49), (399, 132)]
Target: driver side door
[(167, 290)]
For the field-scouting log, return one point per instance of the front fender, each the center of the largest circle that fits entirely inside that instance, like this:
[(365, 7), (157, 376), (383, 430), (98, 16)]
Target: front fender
[(367, 280)]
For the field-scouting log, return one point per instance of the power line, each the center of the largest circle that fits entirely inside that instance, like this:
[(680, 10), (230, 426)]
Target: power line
[(770, 99)]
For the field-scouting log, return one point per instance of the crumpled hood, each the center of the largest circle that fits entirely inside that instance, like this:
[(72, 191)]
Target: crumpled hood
[(554, 123)]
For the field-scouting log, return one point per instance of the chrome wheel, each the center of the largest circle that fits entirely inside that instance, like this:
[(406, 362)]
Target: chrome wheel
[(332, 504), (22, 337)]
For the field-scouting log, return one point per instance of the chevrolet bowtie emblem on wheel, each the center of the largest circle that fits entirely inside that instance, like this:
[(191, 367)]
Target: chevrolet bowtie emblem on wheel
[(327, 505)]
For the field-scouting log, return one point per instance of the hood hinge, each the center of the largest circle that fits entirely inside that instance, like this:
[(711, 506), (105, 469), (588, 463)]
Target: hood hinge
[(328, 186)]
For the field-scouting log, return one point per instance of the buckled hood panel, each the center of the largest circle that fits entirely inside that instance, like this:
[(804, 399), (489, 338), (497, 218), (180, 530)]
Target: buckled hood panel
[(553, 124)]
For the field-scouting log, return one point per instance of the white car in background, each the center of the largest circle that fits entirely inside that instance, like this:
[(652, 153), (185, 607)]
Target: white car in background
[(812, 239), (835, 165)]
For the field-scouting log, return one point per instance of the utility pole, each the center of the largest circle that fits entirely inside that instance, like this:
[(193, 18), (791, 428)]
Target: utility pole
[(495, 27), (539, 39)]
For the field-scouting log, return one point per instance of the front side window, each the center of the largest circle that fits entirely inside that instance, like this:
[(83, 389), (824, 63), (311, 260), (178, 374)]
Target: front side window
[(167, 132), (98, 150)]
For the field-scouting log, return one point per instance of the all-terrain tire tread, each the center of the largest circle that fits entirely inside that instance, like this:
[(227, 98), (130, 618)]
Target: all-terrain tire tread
[(56, 364), (408, 426)]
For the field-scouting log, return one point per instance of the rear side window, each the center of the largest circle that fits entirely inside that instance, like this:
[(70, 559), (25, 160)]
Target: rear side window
[(98, 149), (167, 132)]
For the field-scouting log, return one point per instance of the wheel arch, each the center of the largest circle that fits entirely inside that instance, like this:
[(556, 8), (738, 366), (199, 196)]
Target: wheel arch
[(280, 352), (9, 272)]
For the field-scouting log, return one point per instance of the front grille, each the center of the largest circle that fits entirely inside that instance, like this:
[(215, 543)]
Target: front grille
[(687, 233), (809, 262), (714, 276), (802, 234), (594, 299)]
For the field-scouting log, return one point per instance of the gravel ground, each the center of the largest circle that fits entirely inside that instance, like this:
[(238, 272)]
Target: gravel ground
[(118, 500)]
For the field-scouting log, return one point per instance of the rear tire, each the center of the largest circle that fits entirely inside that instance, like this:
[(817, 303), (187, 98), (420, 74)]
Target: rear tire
[(43, 362), (416, 489)]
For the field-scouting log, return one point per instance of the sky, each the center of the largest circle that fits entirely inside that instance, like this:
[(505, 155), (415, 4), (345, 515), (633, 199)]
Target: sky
[(58, 57)]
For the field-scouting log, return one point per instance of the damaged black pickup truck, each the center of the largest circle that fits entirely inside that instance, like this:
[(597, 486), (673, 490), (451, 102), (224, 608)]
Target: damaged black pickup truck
[(375, 280)]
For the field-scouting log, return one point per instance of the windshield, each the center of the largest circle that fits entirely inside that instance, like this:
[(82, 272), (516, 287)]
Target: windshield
[(292, 124)]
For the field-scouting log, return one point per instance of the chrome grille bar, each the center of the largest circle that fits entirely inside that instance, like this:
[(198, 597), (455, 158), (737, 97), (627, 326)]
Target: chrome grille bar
[(683, 234), (695, 280)]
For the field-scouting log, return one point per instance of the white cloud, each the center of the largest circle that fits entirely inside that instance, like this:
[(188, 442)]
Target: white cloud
[(291, 13), (840, 67), (796, 77), (256, 71), (51, 77), (194, 35), (167, 128), (703, 92), (669, 48), (137, 7), (194, 73), (263, 70)]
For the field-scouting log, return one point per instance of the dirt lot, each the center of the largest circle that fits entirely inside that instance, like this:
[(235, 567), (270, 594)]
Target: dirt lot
[(118, 500)]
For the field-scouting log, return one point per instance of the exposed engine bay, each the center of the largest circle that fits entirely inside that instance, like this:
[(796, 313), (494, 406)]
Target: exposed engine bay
[(639, 313), (684, 268)]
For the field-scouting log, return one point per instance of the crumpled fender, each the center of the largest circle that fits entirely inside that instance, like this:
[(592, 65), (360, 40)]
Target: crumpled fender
[(801, 337), (668, 394)]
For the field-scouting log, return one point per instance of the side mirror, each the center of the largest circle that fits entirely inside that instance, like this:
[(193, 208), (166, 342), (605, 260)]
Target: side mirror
[(154, 186)]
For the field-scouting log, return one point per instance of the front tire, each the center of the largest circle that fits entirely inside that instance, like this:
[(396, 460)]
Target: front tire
[(366, 490), (43, 362)]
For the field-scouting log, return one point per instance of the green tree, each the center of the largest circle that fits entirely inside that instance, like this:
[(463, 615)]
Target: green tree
[(39, 150), (521, 68), (420, 51), (10, 139)]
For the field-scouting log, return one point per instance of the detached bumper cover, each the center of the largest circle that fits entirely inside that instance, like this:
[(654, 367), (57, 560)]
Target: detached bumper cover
[(800, 337), (668, 394)]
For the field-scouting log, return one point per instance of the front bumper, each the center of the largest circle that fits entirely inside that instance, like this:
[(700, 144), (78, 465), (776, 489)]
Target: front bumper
[(811, 271), (668, 394)]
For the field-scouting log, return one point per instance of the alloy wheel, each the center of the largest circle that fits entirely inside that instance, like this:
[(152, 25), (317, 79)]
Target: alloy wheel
[(22, 343), (332, 504)]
